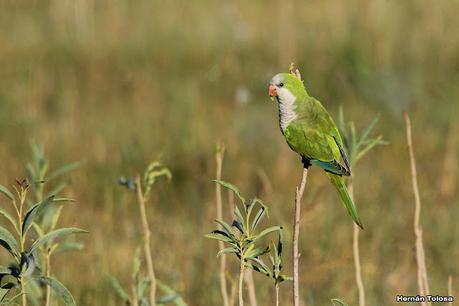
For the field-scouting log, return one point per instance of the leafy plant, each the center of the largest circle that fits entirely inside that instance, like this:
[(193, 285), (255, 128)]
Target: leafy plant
[(26, 252), (275, 272), (358, 145), (242, 236), (338, 302), (47, 216), (142, 280), (140, 283)]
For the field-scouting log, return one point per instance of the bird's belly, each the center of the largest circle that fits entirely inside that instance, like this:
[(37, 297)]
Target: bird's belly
[(304, 143)]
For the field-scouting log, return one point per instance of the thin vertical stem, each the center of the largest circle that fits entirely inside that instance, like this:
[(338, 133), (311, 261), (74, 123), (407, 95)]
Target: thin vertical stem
[(22, 194), (423, 284), (250, 287), (296, 234), (277, 294), (450, 287), (146, 246), (48, 274), (218, 193), (241, 281), (358, 270), (134, 299)]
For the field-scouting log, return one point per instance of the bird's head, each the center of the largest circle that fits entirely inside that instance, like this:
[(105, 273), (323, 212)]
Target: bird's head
[(284, 85)]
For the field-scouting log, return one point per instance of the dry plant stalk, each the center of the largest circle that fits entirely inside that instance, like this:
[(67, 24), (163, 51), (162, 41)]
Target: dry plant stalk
[(241, 281), (232, 296), (277, 295), (450, 287), (146, 246), (218, 193), (250, 284), (358, 269), (296, 234), (420, 257), (450, 167), (296, 221), (48, 274)]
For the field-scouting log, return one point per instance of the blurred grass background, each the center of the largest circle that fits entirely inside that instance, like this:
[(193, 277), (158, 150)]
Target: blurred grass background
[(120, 83)]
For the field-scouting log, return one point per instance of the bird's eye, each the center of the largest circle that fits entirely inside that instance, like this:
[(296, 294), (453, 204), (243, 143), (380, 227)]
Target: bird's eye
[(281, 84)]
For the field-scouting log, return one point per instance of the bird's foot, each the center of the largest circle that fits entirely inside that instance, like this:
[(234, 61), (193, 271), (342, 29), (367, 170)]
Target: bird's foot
[(306, 162)]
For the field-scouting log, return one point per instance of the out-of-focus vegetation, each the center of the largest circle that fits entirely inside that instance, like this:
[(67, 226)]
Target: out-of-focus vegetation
[(119, 83)]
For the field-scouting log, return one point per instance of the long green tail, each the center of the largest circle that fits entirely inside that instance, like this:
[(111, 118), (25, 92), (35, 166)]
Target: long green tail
[(338, 182)]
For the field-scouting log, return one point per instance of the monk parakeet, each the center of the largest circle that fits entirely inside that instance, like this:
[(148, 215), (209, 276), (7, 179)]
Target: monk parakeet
[(311, 132)]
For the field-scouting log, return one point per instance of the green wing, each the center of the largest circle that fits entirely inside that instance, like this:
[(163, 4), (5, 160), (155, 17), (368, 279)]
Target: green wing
[(316, 138)]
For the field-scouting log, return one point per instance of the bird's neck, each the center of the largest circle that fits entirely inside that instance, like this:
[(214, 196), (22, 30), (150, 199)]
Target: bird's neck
[(290, 107), (287, 111)]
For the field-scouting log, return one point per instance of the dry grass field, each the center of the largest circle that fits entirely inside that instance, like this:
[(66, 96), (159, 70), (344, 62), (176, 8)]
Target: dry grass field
[(118, 84)]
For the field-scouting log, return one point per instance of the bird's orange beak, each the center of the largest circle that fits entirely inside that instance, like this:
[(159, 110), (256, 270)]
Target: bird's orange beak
[(272, 91)]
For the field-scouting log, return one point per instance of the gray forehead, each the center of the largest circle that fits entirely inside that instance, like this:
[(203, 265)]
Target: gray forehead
[(276, 79)]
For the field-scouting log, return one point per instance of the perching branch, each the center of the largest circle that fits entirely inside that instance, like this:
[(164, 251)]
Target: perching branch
[(296, 234), (218, 193), (296, 221), (358, 270), (420, 257), (146, 246)]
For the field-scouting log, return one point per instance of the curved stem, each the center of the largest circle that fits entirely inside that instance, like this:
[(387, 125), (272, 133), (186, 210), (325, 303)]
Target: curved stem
[(146, 245), (420, 257)]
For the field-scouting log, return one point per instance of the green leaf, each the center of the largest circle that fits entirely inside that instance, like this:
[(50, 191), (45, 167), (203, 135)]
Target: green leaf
[(3, 293), (168, 290), (266, 232), (341, 122), (7, 193), (167, 299), (4, 270), (68, 246), (260, 270), (55, 234), (57, 189), (280, 240), (225, 227), (8, 241), (227, 251), (119, 289), (10, 218), (64, 169), (367, 130), (238, 215), (371, 144), (258, 217), (255, 253), (262, 266), (219, 236), (32, 212), (353, 141), (59, 289), (64, 200), (338, 302), (233, 188)]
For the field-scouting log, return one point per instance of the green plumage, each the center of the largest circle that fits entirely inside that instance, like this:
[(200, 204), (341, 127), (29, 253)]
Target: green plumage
[(311, 132)]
